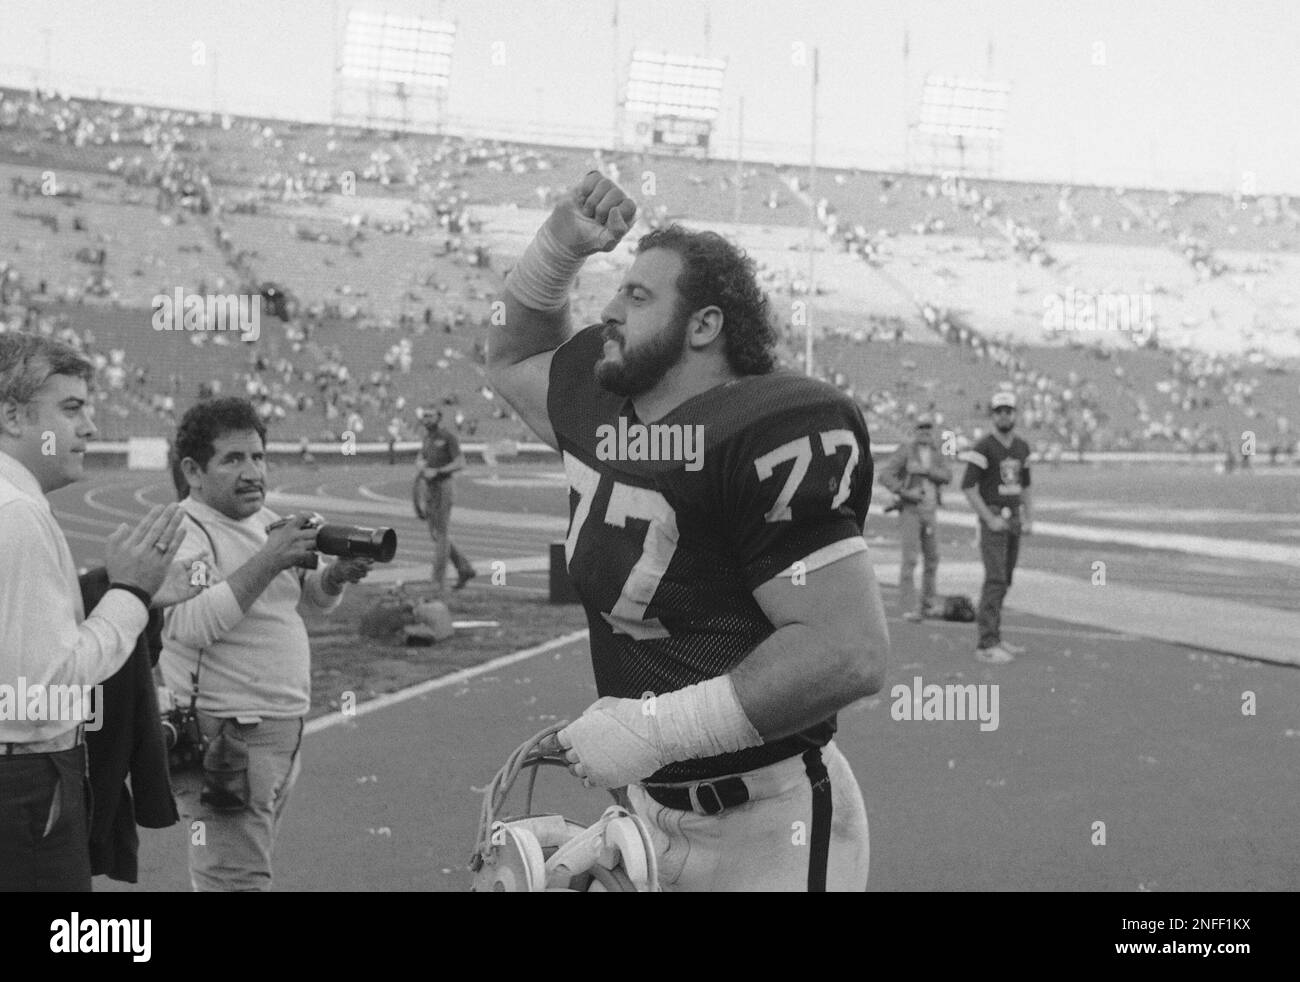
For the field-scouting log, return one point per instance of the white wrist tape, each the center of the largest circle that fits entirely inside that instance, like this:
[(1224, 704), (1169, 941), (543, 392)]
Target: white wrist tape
[(619, 741), (541, 279), (702, 720)]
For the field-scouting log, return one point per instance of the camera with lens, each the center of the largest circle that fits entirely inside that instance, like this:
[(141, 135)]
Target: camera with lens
[(345, 541), (182, 737)]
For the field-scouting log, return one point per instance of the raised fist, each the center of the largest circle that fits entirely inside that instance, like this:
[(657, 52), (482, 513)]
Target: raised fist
[(593, 216)]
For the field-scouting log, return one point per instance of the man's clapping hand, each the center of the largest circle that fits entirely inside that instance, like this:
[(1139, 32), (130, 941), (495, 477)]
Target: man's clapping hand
[(182, 583), (142, 556)]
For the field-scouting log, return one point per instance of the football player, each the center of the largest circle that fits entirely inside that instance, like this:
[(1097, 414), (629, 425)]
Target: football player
[(715, 538)]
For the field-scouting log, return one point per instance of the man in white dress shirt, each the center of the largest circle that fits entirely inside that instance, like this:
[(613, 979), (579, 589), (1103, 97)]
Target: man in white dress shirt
[(48, 640)]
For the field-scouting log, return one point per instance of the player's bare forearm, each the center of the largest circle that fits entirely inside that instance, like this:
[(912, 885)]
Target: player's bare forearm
[(795, 679), (830, 648), (518, 359), (523, 333), (1026, 505)]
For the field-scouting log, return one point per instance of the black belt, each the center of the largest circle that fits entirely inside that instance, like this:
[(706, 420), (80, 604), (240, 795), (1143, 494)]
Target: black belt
[(710, 797)]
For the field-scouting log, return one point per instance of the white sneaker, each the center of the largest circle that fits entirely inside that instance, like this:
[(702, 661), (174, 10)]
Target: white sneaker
[(997, 655), (1015, 649)]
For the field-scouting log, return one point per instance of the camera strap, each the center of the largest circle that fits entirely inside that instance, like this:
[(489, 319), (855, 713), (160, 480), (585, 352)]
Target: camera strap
[(198, 665)]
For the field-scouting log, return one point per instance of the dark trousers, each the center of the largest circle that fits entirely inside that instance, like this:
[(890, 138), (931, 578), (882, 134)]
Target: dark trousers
[(999, 551), (44, 823), (438, 507)]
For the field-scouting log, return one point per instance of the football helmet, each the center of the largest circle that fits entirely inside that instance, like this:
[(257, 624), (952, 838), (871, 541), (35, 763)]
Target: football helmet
[(532, 853)]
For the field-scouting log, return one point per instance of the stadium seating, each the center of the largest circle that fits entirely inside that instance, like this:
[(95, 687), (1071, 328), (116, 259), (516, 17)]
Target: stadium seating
[(376, 238)]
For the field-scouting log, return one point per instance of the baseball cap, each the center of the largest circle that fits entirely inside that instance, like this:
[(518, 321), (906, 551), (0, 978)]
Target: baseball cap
[(925, 419), (1001, 399)]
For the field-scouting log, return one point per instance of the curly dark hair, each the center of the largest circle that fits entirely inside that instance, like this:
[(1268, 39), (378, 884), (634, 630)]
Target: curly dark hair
[(203, 425), (717, 273)]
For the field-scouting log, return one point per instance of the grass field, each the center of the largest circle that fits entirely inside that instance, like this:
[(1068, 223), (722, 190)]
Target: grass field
[(345, 661)]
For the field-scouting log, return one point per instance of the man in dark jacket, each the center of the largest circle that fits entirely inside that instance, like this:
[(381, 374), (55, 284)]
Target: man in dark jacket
[(130, 741)]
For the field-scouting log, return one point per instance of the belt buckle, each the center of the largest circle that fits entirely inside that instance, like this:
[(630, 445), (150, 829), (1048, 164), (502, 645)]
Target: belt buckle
[(697, 799)]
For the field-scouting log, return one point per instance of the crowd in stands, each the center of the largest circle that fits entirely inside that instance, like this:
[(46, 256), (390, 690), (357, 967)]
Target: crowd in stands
[(249, 167), (1068, 413)]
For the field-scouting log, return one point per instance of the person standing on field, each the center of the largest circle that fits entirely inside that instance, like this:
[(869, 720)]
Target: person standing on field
[(915, 473), (996, 484), (440, 458)]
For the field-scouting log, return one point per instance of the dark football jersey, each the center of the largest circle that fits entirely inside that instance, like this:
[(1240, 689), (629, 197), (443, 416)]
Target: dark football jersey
[(666, 553), (440, 448), (1001, 473)]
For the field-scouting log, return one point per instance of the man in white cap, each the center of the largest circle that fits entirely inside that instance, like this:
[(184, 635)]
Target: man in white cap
[(915, 473), (997, 486)]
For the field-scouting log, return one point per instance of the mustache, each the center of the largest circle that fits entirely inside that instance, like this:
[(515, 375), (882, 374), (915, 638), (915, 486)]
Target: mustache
[(610, 333)]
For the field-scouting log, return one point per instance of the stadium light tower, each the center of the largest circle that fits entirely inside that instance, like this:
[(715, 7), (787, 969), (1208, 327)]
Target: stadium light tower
[(671, 102), (394, 70), (960, 115)]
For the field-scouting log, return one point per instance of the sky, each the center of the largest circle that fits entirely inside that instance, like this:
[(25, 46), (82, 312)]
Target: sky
[(1193, 94)]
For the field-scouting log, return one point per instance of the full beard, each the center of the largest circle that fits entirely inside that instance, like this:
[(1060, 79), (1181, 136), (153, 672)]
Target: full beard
[(643, 367)]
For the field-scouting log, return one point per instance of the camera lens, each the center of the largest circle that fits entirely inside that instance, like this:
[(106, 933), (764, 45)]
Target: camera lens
[(351, 541)]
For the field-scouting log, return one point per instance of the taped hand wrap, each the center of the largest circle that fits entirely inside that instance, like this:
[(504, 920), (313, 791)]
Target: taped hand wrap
[(545, 271), (621, 741)]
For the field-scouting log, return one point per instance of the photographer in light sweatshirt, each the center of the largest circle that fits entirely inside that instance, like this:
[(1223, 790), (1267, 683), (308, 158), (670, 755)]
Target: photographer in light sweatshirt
[(239, 650), (915, 473)]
